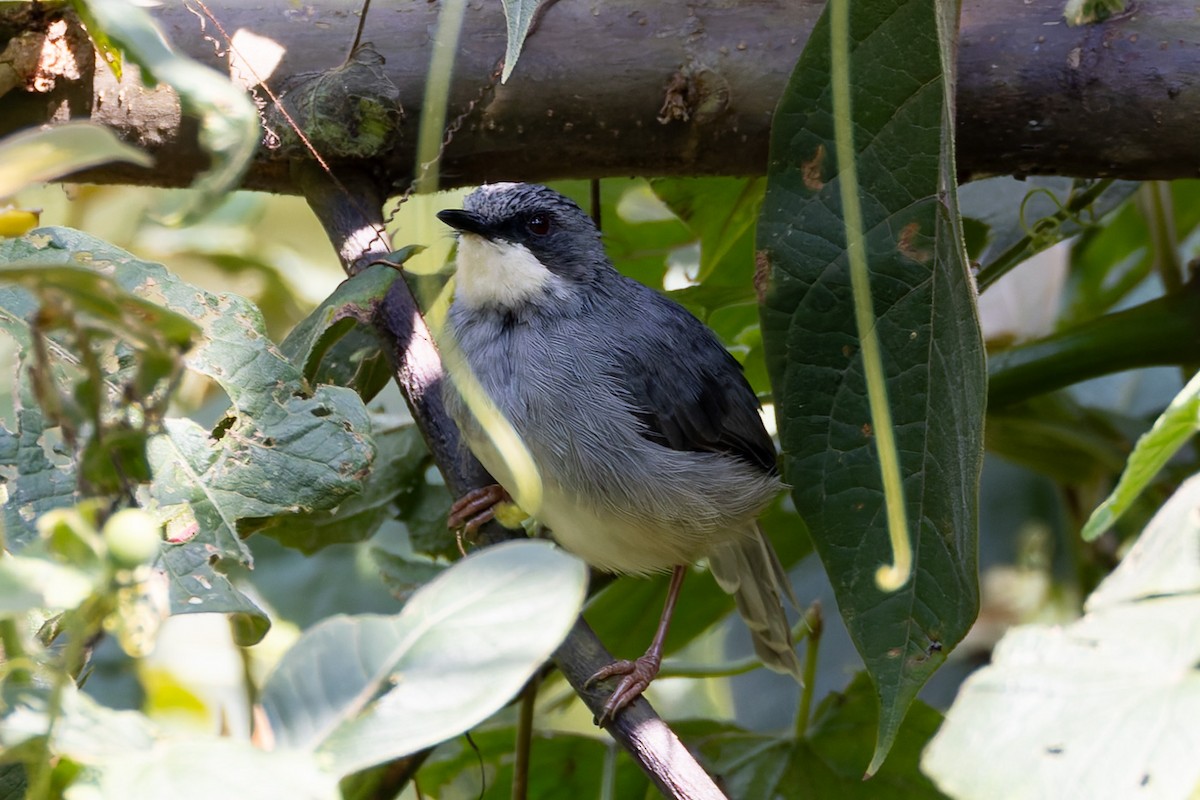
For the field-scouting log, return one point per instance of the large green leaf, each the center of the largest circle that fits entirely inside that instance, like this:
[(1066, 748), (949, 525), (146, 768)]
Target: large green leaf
[(1108, 706), (926, 366), (827, 763), (357, 691), (283, 448)]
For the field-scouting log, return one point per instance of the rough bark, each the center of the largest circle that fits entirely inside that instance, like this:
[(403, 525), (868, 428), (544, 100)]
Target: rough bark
[(671, 87)]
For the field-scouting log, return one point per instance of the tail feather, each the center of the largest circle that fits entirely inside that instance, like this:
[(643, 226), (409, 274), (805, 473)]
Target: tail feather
[(748, 569)]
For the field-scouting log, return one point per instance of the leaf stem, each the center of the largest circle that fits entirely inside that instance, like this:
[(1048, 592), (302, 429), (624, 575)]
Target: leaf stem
[(816, 625), (1022, 250), (889, 577)]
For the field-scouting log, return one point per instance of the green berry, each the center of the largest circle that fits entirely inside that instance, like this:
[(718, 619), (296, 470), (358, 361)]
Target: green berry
[(132, 536)]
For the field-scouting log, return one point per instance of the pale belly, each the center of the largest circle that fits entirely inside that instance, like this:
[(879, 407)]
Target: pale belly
[(607, 540)]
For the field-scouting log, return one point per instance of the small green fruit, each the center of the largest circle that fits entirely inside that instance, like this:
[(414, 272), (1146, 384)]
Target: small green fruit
[(132, 536)]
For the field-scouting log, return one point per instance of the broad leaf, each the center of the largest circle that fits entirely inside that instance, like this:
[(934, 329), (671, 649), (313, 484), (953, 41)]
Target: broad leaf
[(283, 448), (35, 475), (928, 368), (357, 691), (337, 344), (1108, 706)]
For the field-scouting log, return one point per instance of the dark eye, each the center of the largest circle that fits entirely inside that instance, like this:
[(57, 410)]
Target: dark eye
[(539, 224)]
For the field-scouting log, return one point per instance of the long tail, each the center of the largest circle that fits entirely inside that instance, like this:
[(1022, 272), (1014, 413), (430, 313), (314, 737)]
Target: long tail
[(748, 569)]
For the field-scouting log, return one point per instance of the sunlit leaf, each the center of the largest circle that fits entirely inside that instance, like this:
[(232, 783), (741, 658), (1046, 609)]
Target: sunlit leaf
[(1108, 706), (228, 119), (356, 691), (41, 155), (1172, 430)]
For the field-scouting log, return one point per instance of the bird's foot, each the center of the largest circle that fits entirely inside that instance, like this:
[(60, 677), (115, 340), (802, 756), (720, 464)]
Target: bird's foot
[(638, 675), (473, 509)]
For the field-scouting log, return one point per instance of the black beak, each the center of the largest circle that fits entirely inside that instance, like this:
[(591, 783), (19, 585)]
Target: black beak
[(464, 221)]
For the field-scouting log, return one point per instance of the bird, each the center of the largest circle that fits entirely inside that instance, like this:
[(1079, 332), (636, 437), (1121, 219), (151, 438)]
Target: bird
[(644, 433)]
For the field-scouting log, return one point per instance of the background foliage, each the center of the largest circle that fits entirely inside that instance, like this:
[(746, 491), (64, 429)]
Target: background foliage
[(231, 392)]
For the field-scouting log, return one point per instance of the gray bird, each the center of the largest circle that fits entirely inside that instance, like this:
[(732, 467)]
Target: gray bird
[(644, 431)]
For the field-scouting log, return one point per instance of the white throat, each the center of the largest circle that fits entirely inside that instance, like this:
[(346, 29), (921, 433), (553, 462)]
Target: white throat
[(499, 273)]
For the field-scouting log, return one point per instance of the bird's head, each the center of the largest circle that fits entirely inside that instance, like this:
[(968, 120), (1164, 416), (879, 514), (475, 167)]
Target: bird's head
[(521, 243)]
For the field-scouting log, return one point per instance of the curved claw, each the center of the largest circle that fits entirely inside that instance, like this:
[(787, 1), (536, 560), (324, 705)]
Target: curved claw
[(476, 507), (638, 676)]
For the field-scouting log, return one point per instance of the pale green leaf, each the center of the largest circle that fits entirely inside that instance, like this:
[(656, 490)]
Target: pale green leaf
[(519, 15), (41, 155), (229, 128), (357, 691), (1171, 431), (28, 583)]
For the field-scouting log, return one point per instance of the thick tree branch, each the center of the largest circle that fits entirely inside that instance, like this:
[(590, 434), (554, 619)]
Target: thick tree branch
[(671, 87), (349, 208)]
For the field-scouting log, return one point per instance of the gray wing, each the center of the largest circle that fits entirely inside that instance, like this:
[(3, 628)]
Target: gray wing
[(688, 391)]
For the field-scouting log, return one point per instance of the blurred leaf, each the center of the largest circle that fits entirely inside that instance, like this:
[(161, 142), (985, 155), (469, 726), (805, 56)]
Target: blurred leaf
[(45, 154), (1165, 330), (399, 464), (357, 691), (337, 344), (1055, 436), (404, 575), (518, 14), (228, 120), (83, 729), (930, 348), (28, 583), (1109, 261), (1172, 430), (826, 764), (423, 509), (203, 768), (721, 213), (1023, 217), (1108, 706), (562, 766)]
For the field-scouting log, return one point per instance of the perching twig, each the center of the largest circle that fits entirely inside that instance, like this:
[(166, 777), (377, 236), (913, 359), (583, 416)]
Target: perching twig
[(358, 237)]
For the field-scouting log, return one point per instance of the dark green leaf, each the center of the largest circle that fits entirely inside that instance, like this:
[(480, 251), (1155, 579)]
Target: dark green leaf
[(930, 348), (336, 344), (828, 763), (398, 467), (561, 767), (36, 475), (196, 588)]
